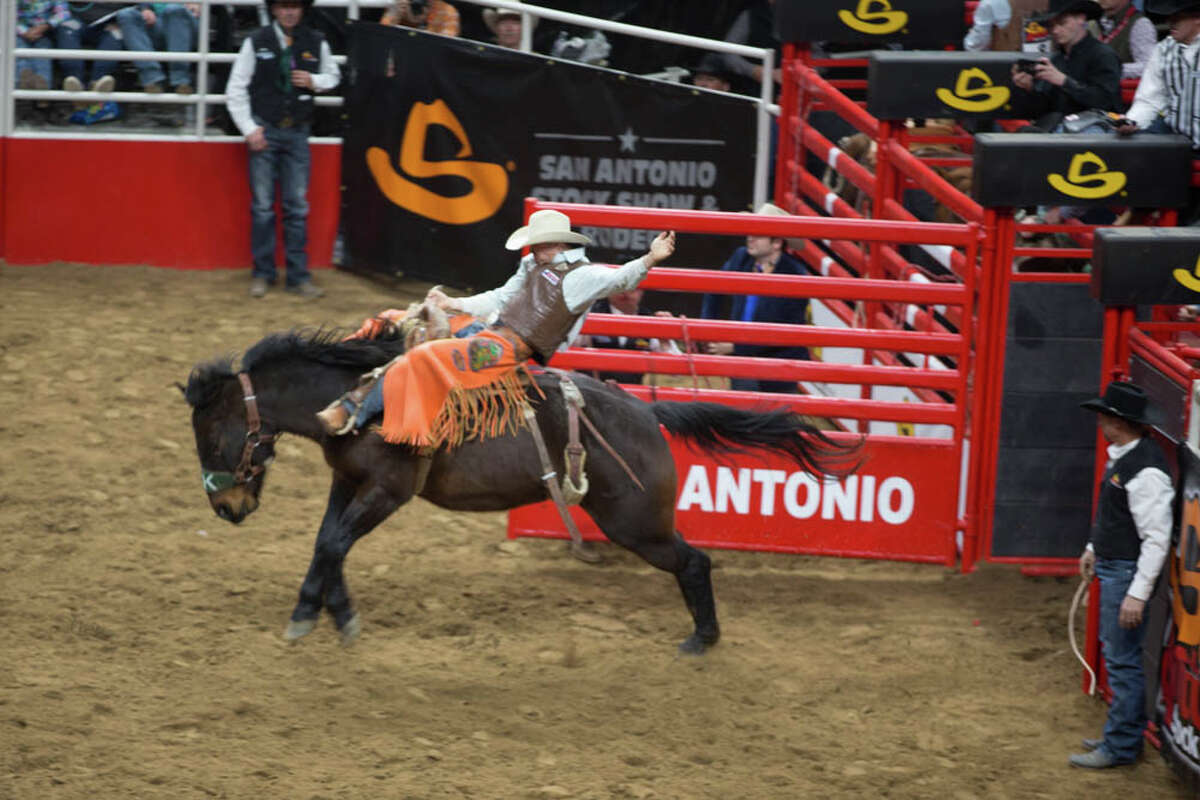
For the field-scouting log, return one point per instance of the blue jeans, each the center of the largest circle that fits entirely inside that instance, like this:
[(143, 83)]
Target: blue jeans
[(41, 66), (285, 162), (174, 31), (1123, 659), (74, 35)]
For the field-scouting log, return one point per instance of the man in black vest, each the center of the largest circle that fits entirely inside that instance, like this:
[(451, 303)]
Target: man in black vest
[(1128, 546), (270, 99)]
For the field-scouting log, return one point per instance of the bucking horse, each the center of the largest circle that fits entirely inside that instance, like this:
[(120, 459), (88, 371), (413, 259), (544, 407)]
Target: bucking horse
[(286, 378)]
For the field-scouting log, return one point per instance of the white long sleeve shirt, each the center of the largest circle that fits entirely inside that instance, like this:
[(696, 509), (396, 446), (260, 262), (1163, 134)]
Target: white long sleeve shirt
[(1150, 100), (581, 287), (1150, 494), (237, 89), (989, 15)]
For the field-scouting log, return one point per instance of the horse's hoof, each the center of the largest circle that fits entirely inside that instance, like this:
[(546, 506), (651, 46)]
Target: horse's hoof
[(693, 646), (585, 552), (297, 629), (351, 630)]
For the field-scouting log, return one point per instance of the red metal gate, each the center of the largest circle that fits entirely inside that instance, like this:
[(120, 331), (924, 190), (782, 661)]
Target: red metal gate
[(903, 503)]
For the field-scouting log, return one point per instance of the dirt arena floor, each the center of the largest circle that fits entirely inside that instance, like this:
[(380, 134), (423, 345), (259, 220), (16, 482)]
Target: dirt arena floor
[(141, 656)]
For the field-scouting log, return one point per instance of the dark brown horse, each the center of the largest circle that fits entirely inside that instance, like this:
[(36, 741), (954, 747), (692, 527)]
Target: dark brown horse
[(286, 378)]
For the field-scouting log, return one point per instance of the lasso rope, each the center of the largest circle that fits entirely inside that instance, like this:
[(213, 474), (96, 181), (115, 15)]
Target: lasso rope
[(1083, 584)]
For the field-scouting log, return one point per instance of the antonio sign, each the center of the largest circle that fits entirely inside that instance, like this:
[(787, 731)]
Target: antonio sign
[(446, 137), (898, 505), (871, 22)]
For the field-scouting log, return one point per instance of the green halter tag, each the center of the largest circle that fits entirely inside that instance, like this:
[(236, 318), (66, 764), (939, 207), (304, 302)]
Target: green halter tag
[(216, 481)]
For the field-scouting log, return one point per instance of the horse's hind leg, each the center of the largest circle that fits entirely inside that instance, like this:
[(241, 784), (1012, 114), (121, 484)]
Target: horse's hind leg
[(693, 573), (653, 538)]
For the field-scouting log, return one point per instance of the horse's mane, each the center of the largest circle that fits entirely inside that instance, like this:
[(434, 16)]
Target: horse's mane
[(323, 346)]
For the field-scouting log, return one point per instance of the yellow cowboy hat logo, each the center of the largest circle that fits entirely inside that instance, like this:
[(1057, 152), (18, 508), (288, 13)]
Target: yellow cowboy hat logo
[(1190, 280), (1184, 574), (1097, 182), (489, 182), (985, 96), (879, 21)]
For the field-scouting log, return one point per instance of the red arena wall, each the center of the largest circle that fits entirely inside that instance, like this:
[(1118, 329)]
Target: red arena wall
[(129, 202)]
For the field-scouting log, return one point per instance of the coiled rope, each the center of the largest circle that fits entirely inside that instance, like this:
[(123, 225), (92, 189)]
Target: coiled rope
[(1083, 585)]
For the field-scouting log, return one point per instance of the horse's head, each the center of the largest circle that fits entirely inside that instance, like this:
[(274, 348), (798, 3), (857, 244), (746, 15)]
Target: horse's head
[(234, 445)]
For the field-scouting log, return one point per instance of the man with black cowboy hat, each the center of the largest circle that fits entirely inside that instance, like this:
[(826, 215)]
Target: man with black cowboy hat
[(270, 99), (1083, 73), (1168, 95), (1130, 537)]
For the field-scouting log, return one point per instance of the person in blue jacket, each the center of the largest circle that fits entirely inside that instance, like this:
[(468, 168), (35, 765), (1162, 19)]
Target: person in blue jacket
[(767, 255)]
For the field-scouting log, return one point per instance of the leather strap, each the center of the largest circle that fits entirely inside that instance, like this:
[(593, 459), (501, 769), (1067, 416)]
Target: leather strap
[(550, 477), (574, 398)]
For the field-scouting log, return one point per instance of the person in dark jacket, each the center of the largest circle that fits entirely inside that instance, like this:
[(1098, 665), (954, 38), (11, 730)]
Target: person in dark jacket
[(763, 254), (1083, 74), (270, 99), (1128, 545)]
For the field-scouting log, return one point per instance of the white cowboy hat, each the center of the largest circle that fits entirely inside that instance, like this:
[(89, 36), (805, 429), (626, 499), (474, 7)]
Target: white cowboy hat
[(545, 227), (493, 15), (770, 209)]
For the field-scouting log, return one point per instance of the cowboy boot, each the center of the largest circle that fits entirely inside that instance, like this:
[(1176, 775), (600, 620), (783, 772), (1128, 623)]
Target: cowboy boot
[(339, 417)]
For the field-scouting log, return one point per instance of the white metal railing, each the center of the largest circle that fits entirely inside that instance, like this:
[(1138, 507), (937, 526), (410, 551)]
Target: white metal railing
[(202, 57)]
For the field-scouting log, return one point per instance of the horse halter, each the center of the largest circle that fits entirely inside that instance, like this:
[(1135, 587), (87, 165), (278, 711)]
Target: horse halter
[(246, 470)]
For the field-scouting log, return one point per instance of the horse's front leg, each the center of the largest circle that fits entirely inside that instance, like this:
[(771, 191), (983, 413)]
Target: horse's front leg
[(368, 508), (312, 591)]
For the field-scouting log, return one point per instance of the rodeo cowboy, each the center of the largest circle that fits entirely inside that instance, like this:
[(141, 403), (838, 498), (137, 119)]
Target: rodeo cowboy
[(445, 391), (1126, 551)]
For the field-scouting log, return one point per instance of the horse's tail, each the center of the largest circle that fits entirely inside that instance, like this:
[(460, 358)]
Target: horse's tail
[(723, 429)]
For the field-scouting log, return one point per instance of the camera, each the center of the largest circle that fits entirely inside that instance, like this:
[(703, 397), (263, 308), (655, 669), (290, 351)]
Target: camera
[(1027, 66)]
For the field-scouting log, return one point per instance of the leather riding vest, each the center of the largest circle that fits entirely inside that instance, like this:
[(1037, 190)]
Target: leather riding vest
[(538, 313)]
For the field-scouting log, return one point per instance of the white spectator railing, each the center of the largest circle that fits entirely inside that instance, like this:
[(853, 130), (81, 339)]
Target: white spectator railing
[(201, 99)]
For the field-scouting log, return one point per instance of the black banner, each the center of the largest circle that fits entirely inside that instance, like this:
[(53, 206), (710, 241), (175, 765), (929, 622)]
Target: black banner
[(920, 83), (446, 138), (1134, 266), (1022, 169), (1178, 705), (931, 23)]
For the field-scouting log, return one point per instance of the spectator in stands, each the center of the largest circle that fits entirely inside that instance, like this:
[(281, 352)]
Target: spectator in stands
[(711, 72), (270, 99), (626, 303), (92, 26), (39, 24), (990, 17), (1083, 74), (505, 25), (1128, 32), (767, 255), (434, 16), (754, 27), (1167, 93), (161, 26), (1128, 545)]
